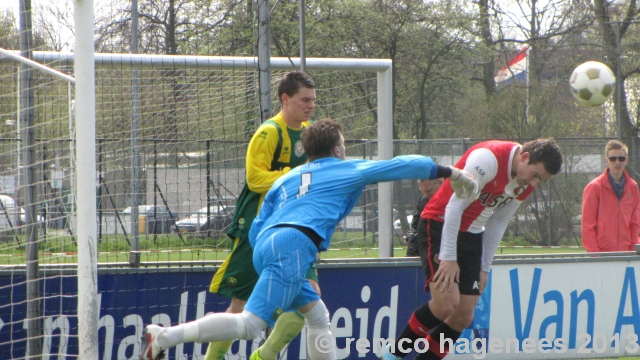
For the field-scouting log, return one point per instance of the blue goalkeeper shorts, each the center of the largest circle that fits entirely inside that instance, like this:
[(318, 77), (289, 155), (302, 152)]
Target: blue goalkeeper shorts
[(282, 256)]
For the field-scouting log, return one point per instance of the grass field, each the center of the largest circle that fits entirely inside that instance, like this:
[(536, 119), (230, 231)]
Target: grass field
[(171, 247)]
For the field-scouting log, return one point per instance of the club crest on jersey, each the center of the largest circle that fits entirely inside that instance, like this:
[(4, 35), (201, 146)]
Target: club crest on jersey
[(299, 149), (232, 281), (277, 313), (436, 258)]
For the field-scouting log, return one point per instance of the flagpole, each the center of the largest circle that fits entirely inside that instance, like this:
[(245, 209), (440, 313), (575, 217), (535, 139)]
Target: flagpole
[(526, 84)]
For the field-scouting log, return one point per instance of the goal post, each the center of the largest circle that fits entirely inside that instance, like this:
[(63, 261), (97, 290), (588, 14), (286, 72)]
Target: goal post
[(85, 171), (197, 114), (382, 67)]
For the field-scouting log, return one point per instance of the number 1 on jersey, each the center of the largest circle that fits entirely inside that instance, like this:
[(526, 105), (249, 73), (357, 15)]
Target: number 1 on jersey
[(305, 181)]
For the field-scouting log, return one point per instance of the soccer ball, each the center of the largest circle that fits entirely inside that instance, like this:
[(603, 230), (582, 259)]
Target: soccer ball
[(592, 83)]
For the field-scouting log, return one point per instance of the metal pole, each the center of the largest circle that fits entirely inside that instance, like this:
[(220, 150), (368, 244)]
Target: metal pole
[(385, 152), (303, 60), (26, 120), (134, 255), (618, 83), (84, 70), (264, 60), (37, 65), (18, 146), (72, 154), (147, 61)]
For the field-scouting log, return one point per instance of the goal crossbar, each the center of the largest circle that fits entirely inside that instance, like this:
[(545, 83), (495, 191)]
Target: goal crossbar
[(221, 62), (380, 108), (383, 68), (384, 98), (15, 56)]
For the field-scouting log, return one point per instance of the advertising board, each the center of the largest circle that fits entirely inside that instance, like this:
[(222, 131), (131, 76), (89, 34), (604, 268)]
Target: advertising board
[(583, 308)]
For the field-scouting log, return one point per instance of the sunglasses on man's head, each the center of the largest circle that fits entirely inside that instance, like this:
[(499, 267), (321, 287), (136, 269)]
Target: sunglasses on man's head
[(619, 158)]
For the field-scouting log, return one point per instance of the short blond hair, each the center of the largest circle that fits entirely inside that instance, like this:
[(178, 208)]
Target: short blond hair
[(615, 145)]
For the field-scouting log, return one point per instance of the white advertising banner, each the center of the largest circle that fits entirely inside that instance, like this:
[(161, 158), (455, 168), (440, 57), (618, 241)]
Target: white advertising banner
[(582, 309)]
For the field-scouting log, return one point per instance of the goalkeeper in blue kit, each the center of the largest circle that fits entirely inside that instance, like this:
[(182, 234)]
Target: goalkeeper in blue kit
[(297, 220)]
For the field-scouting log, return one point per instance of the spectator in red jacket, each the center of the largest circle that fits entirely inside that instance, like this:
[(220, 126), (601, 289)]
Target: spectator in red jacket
[(610, 205)]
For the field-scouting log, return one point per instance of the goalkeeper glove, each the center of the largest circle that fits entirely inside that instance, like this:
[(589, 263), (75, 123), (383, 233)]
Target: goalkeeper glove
[(463, 184)]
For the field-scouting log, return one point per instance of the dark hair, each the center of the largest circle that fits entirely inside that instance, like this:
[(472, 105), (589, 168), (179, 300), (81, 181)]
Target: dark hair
[(545, 151), (292, 82), (319, 138)]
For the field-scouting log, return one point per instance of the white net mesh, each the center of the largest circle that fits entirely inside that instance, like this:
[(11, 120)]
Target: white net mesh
[(188, 127)]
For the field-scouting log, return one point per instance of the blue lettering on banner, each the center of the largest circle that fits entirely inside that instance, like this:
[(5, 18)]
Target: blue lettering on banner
[(553, 320), (629, 289), (365, 303), (589, 297), (523, 330), (523, 327)]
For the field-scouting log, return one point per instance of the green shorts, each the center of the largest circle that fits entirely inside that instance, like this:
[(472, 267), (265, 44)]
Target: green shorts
[(237, 276)]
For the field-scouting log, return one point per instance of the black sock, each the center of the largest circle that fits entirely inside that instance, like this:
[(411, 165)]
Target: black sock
[(449, 335), (420, 324)]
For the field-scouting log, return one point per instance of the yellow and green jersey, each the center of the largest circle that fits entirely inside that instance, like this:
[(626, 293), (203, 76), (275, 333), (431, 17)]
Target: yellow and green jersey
[(273, 150)]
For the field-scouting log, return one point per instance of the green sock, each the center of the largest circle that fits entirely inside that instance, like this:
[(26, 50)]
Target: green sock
[(287, 327), (217, 350)]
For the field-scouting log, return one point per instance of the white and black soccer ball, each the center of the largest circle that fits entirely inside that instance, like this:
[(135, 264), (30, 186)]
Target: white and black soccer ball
[(592, 83)]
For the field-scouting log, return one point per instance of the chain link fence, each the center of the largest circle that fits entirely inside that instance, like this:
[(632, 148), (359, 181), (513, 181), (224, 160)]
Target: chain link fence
[(549, 217)]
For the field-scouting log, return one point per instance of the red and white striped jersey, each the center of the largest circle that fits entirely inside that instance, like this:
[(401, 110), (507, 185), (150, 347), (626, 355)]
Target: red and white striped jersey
[(490, 163)]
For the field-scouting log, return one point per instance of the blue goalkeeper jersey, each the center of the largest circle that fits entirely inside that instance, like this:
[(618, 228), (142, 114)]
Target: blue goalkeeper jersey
[(319, 194)]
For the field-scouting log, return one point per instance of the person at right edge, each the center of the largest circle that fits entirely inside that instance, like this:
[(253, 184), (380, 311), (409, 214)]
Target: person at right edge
[(610, 213), (457, 246)]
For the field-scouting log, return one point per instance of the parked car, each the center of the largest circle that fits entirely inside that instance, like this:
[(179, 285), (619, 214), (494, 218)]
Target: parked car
[(23, 216), (153, 219), (9, 215), (8, 212), (147, 209), (218, 218), (397, 225)]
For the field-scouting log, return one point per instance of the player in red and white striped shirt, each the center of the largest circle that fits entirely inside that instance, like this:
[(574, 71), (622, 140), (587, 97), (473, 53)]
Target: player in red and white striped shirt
[(458, 238)]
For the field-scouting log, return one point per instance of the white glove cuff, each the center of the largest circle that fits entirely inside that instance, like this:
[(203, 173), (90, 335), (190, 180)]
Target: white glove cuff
[(455, 173)]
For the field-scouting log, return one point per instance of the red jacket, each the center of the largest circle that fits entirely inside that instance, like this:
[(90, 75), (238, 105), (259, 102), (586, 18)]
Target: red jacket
[(609, 224)]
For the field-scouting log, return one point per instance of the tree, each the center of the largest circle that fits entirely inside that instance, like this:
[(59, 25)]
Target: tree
[(165, 27), (615, 22), (9, 36), (549, 28), (54, 24)]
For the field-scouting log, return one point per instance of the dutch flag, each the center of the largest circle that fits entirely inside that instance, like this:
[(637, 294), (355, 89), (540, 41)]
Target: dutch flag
[(516, 70)]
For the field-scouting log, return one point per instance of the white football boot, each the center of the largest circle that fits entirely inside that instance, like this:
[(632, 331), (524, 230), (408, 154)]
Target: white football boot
[(150, 348)]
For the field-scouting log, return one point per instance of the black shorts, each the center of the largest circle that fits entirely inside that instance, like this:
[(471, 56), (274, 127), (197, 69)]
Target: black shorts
[(469, 252)]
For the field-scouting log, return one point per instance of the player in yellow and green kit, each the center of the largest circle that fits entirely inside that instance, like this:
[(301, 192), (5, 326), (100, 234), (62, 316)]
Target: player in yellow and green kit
[(274, 149)]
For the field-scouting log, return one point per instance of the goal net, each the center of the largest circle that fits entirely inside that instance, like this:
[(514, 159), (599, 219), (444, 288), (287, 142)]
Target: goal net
[(171, 136)]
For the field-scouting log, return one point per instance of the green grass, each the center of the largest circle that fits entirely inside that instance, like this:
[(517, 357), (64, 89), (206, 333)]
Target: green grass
[(171, 247)]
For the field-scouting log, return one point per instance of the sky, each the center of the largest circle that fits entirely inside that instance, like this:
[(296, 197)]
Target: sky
[(509, 5), (66, 36), (12, 4)]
